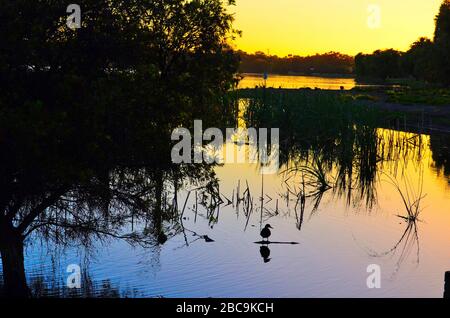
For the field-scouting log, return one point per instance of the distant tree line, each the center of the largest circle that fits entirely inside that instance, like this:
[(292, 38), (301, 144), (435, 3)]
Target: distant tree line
[(427, 60), (328, 63)]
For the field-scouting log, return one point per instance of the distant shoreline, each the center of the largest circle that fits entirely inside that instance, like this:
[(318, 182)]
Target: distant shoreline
[(326, 75)]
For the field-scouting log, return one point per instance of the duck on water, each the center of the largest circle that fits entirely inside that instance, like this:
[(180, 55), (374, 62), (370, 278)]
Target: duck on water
[(266, 233)]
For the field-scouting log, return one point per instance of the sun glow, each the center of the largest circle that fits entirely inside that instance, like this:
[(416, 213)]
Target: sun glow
[(306, 27)]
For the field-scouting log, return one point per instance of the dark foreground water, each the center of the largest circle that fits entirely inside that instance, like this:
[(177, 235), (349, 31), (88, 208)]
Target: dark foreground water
[(338, 235)]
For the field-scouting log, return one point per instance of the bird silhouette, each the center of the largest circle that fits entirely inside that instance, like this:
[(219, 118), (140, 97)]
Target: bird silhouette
[(265, 233), (265, 253), (207, 239)]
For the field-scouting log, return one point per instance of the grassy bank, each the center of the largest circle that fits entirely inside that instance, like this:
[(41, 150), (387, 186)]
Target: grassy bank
[(426, 96), (418, 105), (406, 108)]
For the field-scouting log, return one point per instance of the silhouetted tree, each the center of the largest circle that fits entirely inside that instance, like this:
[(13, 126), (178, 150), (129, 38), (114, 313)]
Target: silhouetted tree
[(425, 60), (419, 61), (382, 64), (86, 114), (442, 42)]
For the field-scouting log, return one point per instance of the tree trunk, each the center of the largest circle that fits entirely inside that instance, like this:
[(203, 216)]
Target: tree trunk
[(11, 249)]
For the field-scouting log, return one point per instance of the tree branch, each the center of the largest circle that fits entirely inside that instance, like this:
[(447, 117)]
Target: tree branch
[(34, 213)]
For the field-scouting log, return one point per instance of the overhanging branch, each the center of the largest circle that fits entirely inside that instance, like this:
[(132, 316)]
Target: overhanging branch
[(46, 203)]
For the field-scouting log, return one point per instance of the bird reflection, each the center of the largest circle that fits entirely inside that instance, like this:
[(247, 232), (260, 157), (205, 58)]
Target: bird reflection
[(265, 253)]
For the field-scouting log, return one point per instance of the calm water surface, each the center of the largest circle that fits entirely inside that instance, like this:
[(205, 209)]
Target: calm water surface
[(337, 241), (294, 82)]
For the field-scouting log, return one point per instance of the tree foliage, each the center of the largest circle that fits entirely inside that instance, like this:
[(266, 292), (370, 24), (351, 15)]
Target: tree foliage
[(442, 43), (381, 64), (426, 60), (86, 114)]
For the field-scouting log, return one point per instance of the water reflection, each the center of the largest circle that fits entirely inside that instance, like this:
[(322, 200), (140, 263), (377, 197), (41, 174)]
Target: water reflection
[(264, 250), (295, 82), (50, 285), (440, 147), (206, 224), (408, 242), (140, 208)]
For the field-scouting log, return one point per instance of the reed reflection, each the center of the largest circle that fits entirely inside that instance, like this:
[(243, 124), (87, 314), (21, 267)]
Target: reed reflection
[(331, 143)]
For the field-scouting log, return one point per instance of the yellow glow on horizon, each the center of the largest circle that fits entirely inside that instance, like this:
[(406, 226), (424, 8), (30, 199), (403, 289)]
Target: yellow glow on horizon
[(306, 27)]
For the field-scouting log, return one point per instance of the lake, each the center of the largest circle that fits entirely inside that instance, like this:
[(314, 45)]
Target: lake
[(294, 82), (339, 235)]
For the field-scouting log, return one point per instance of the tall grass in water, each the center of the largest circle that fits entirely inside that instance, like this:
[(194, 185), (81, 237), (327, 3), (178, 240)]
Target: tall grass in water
[(321, 127), (334, 141), (315, 111)]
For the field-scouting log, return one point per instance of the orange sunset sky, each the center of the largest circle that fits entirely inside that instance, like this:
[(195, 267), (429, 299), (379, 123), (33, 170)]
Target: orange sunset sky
[(306, 27)]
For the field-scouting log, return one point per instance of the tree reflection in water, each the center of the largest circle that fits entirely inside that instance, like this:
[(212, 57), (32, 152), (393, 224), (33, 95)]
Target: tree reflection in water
[(41, 285)]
